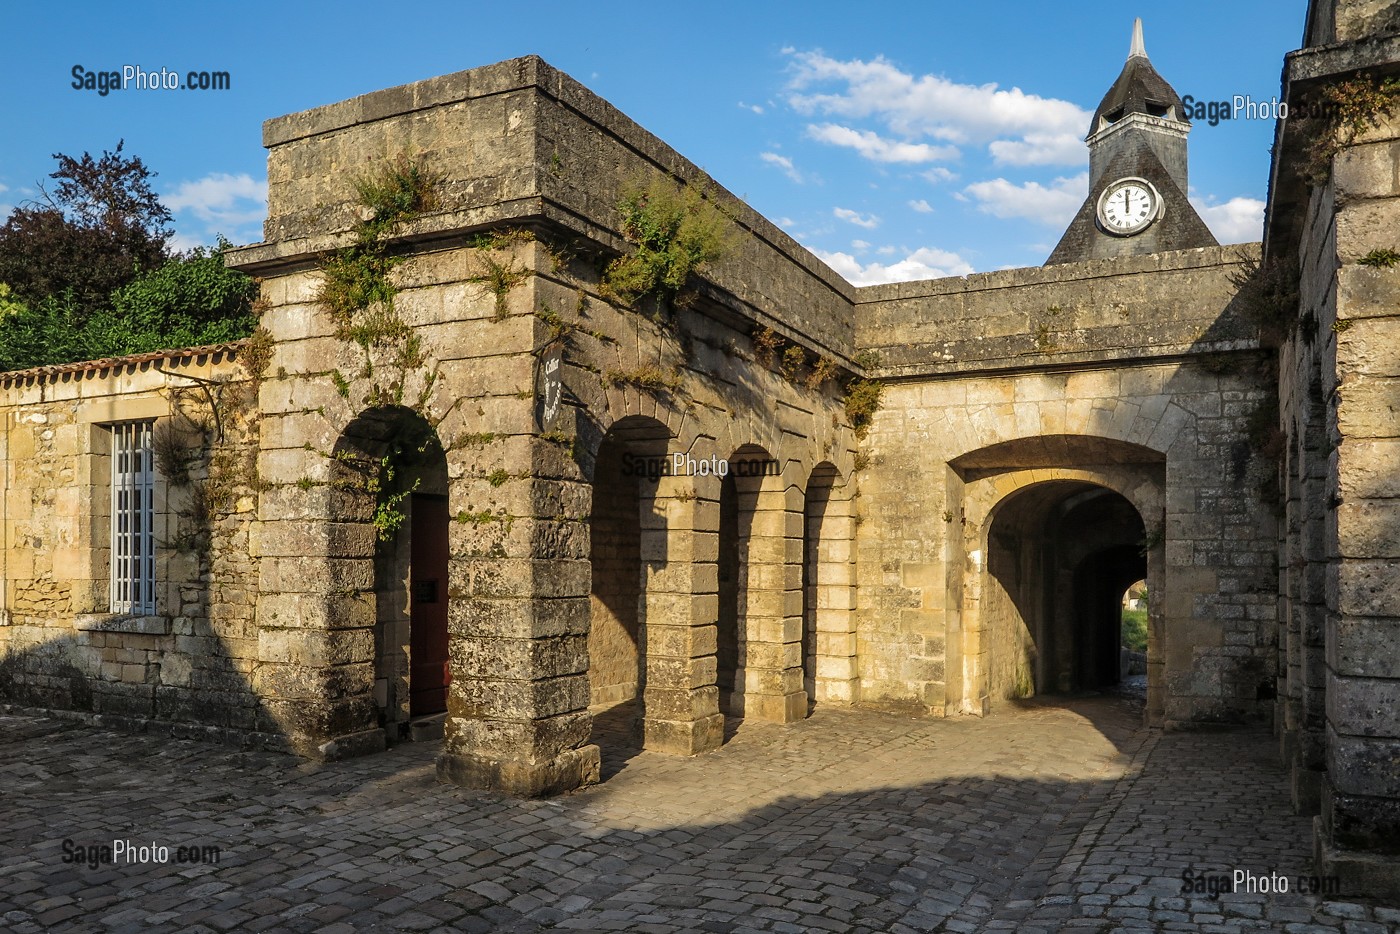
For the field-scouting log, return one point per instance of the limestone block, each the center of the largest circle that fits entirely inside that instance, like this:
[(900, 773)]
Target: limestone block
[(518, 618), (836, 669), (314, 648), (315, 611), (573, 768), (1364, 706), (1363, 226), (1365, 469), (517, 700), (525, 738), (1366, 170), (521, 659), (683, 737), (1362, 646), (1363, 587)]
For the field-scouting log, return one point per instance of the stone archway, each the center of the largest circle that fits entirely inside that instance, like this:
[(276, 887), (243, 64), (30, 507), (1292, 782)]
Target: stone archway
[(389, 474), (1054, 530)]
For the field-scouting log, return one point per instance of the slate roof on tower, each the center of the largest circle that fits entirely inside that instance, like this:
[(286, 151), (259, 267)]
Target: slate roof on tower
[(1138, 90)]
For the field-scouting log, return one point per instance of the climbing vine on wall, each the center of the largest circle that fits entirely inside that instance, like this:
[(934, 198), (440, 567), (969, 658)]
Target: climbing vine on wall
[(357, 291)]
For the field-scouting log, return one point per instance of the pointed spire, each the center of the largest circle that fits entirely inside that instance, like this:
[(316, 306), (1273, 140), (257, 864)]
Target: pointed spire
[(1138, 50)]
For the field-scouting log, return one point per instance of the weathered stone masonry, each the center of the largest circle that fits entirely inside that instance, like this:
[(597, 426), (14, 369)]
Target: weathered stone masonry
[(1047, 436)]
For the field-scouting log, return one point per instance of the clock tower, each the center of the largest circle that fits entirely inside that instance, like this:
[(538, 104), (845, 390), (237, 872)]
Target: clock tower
[(1137, 199)]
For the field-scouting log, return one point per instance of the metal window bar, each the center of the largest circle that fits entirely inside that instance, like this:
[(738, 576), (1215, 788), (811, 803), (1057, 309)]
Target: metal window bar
[(133, 571)]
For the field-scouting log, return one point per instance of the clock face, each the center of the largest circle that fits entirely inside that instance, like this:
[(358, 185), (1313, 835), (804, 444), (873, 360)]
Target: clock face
[(1128, 206)]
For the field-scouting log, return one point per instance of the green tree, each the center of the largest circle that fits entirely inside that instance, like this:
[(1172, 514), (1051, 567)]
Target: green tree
[(87, 273), (191, 300), (99, 228)]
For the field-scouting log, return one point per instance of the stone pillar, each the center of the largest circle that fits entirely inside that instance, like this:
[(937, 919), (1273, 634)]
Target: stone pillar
[(680, 606), (316, 619), (770, 600), (831, 530), (1305, 713), (1358, 835), (517, 709)]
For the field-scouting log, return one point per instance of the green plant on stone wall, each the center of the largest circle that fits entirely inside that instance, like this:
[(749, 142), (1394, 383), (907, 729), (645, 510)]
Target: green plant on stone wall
[(766, 344), (1350, 108), (868, 359), (649, 377), (794, 359), (1382, 258), (822, 371), (862, 402), (675, 232), (356, 287), (1267, 294)]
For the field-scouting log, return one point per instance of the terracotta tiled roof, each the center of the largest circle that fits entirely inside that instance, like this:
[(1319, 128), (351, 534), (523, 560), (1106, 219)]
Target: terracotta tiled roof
[(41, 374)]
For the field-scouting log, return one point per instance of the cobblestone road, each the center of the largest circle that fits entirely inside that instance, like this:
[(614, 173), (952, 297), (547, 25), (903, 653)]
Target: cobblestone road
[(1050, 817)]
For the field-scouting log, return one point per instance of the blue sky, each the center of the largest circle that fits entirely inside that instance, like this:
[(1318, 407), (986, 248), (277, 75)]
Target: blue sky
[(896, 140)]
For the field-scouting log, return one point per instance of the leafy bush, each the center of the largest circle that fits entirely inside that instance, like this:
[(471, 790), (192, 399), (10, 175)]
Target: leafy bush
[(1135, 630), (675, 232)]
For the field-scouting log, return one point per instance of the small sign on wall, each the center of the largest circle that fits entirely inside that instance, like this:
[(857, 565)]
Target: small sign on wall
[(549, 386)]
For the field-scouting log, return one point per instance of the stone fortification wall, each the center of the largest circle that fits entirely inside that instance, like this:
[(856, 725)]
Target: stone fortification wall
[(1104, 310)]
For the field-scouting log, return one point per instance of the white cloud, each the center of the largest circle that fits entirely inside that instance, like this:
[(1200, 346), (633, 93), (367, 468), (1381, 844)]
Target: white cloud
[(939, 174), (868, 221), (878, 149), (1018, 128), (922, 206), (1039, 149), (923, 263), (786, 222), (784, 163), (756, 108), (1054, 204), (1239, 220), (859, 245), (221, 200)]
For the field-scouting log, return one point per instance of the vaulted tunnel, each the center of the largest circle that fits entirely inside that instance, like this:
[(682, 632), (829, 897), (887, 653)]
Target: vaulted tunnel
[(1060, 554)]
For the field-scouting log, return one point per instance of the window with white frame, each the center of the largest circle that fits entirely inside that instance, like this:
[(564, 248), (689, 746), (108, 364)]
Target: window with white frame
[(133, 572)]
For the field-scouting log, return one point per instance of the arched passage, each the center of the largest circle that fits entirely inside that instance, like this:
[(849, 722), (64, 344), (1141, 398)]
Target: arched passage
[(389, 472), (1035, 512), (1059, 555), (627, 472)]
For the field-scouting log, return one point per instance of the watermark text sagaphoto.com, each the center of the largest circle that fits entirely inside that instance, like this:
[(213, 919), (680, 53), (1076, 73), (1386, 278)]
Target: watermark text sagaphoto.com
[(685, 465), (1244, 107), (134, 77), (1242, 881), (131, 853)]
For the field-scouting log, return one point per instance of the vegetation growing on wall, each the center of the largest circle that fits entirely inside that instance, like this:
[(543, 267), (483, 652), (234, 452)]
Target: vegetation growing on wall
[(862, 402), (1381, 258), (358, 292), (1267, 293), (675, 231), (1350, 108)]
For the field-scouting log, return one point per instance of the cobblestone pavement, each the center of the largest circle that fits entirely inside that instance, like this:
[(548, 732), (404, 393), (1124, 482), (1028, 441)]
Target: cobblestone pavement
[(1046, 817)]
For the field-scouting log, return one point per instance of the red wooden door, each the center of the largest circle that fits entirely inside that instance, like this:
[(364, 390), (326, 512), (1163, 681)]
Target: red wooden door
[(428, 674)]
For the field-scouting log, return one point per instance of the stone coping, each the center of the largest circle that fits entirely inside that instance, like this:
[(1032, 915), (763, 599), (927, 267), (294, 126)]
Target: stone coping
[(1198, 258)]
